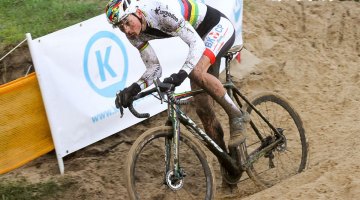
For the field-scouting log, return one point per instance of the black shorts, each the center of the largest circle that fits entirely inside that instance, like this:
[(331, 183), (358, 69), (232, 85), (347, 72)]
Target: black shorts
[(218, 34)]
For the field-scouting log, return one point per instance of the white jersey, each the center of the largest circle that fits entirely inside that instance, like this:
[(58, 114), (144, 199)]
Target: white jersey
[(170, 18)]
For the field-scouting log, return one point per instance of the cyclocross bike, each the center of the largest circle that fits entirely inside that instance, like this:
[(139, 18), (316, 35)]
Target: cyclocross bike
[(170, 161)]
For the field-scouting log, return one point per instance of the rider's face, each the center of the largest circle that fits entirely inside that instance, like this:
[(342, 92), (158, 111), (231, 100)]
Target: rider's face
[(131, 26)]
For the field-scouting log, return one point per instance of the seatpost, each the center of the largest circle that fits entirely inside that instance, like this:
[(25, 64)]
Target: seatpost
[(228, 59)]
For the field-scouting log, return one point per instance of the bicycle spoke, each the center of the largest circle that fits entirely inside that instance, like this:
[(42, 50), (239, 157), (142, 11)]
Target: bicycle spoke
[(280, 168), (290, 158), (187, 196)]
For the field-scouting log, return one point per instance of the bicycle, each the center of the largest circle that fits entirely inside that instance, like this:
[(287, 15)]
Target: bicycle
[(184, 172)]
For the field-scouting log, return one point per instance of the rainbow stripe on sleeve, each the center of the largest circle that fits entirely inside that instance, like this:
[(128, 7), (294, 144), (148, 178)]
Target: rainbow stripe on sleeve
[(143, 46), (190, 10)]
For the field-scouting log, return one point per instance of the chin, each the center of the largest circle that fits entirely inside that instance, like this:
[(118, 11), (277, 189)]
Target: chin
[(131, 36)]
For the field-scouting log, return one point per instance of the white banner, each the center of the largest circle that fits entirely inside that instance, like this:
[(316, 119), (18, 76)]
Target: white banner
[(81, 67)]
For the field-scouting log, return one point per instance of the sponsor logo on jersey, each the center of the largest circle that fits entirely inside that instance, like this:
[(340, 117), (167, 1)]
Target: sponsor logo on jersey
[(165, 13)]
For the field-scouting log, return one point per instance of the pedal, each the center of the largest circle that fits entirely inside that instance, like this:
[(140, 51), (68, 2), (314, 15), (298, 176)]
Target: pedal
[(271, 162)]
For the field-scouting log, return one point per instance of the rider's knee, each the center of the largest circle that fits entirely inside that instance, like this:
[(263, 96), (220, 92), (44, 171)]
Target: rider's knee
[(198, 76)]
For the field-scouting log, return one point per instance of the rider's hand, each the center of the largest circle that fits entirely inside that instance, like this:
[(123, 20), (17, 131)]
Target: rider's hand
[(176, 79), (124, 97)]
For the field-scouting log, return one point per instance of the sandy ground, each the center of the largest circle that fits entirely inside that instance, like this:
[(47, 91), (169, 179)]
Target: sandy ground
[(310, 53)]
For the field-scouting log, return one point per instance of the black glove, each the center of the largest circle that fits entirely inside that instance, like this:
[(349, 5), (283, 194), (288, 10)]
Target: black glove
[(124, 97), (176, 79)]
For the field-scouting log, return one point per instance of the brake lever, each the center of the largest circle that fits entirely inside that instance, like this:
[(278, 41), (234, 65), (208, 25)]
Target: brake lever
[(161, 94), (118, 105), (121, 111)]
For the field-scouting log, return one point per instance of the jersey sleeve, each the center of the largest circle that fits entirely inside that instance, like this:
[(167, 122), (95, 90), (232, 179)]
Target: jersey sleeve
[(173, 23), (152, 64)]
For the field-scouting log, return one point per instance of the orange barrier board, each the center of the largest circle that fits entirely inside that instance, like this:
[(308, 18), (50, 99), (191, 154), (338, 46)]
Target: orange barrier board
[(24, 129)]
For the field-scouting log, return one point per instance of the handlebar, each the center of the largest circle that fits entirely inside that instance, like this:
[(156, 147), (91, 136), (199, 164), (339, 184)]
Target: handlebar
[(137, 114), (161, 89)]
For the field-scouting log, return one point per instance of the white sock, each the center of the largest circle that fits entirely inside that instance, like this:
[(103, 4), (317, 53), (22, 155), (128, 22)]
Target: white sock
[(231, 102)]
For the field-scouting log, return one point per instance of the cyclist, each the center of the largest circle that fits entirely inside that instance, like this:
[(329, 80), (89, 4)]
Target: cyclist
[(207, 32)]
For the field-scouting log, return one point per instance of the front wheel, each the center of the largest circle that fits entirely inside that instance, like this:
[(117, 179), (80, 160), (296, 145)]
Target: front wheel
[(289, 156), (150, 177)]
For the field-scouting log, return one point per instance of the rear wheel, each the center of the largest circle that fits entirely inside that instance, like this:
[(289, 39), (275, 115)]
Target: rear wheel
[(148, 177), (287, 158)]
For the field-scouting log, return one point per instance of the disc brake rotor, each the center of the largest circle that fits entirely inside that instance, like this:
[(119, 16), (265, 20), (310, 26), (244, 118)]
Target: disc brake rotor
[(173, 182)]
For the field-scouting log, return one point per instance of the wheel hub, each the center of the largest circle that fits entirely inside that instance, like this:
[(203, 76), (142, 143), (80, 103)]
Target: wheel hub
[(174, 182), (283, 145)]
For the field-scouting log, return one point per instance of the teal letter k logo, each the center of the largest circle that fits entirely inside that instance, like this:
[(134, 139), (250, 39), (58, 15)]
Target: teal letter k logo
[(104, 64), (107, 51)]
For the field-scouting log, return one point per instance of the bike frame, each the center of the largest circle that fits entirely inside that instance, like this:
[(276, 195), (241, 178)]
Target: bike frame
[(177, 116)]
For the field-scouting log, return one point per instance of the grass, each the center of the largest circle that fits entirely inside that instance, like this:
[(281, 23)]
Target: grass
[(40, 17), (23, 190)]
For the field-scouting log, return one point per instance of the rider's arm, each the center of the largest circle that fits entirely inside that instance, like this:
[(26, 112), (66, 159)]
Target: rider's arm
[(196, 45), (176, 25), (153, 68)]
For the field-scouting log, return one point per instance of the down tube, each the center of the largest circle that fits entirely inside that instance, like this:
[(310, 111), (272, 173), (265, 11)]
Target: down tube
[(194, 128)]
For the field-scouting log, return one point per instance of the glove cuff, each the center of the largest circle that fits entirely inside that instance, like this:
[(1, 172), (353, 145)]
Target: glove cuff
[(183, 74), (187, 67), (134, 89)]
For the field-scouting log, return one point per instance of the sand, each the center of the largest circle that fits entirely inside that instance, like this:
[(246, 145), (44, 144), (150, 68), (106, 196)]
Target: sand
[(309, 53)]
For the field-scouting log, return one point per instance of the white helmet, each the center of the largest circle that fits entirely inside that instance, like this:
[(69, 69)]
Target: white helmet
[(117, 10)]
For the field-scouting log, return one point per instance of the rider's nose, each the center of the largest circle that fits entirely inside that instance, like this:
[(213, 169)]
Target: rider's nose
[(127, 29)]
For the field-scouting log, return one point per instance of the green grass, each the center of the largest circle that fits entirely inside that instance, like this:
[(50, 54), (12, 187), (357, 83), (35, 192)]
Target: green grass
[(40, 17), (23, 190)]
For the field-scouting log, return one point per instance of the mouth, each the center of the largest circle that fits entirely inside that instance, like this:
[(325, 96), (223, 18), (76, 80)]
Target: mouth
[(132, 35)]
